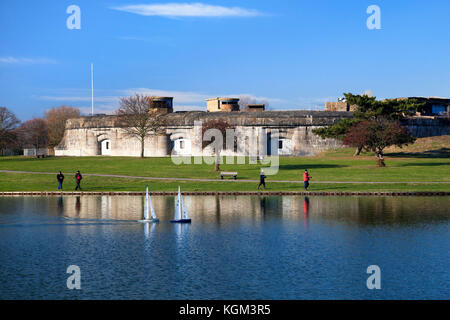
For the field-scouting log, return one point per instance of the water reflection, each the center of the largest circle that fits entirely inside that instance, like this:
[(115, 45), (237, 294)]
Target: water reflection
[(306, 212), (60, 206), (237, 247), (223, 210), (77, 206), (181, 230), (149, 230)]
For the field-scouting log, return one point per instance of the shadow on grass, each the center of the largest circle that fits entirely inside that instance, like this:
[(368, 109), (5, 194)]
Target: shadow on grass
[(424, 164), (21, 159), (443, 153), (310, 166)]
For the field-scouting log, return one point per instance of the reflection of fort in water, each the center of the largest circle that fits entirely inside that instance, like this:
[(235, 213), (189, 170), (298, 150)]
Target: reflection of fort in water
[(223, 209)]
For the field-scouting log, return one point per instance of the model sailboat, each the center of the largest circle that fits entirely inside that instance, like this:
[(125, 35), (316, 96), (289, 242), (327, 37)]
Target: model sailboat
[(181, 215), (149, 211)]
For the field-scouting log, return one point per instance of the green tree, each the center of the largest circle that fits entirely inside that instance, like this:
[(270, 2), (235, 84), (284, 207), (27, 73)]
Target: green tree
[(369, 108)]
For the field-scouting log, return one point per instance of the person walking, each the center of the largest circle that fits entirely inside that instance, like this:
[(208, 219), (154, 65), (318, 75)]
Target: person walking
[(78, 178), (60, 178), (262, 180), (306, 178)]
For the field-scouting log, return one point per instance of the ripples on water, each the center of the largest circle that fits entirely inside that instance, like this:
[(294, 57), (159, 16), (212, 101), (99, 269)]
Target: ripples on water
[(238, 247)]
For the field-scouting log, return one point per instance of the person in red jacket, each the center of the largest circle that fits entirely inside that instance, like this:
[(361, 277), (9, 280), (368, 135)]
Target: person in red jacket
[(306, 178)]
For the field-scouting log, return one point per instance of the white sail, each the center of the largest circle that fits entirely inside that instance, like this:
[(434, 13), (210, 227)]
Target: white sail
[(177, 215), (184, 214), (146, 216), (152, 210)]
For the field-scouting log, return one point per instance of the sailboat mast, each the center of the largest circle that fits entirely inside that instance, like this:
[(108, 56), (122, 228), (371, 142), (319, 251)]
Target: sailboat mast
[(92, 89), (147, 204), (180, 211), (180, 201)]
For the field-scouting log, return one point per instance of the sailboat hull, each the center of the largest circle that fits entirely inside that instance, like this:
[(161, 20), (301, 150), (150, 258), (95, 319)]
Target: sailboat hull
[(181, 221), (149, 221)]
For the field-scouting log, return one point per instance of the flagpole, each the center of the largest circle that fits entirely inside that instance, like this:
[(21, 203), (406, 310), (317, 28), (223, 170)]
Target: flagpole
[(92, 89)]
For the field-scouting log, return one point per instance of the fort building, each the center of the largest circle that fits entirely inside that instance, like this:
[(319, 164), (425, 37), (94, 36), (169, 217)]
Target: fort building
[(286, 133)]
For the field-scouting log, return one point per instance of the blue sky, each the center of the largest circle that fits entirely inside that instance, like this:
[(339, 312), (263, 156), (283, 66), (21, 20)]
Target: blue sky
[(294, 54)]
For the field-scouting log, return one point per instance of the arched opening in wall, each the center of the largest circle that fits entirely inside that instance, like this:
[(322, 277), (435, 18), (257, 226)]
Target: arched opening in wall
[(181, 146), (105, 147)]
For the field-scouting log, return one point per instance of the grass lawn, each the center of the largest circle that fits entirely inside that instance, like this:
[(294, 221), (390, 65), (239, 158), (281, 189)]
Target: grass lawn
[(420, 165), (24, 182)]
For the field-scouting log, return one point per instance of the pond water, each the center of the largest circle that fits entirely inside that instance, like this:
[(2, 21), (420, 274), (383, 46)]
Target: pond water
[(237, 247)]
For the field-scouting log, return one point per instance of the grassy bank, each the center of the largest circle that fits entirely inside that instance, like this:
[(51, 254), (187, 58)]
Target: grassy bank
[(425, 162), (24, 182)]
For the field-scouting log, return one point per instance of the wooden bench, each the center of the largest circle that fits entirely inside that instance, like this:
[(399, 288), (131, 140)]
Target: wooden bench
[(233, 174)]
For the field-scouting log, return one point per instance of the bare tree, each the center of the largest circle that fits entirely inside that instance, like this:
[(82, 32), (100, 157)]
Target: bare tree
[(56, 122), (33, 133), (139, 118), (8, 124), (222, 126)]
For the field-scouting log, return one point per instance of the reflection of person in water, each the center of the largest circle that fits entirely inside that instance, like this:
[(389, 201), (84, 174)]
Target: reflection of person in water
[(78, 205), (306, 211), (263, 204), (60, 205)]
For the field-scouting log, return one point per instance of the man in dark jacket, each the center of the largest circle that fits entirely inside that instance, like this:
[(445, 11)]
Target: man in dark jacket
[(60, 178), (78, 178), (262, 180)]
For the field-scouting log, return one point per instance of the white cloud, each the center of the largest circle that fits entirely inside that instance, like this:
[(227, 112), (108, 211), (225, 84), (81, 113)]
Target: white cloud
[(78, 98), (368, 93), (187, 10), (13, 60), (259, 99), (99, 109)]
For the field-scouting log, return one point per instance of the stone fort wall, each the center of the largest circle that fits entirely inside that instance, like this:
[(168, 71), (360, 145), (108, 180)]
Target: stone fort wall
[(84, 135)]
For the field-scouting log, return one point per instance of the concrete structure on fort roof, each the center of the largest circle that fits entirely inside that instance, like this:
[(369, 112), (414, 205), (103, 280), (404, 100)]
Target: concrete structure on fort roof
[(222, 104), (255, 107), (282, 132), (163, 104)]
